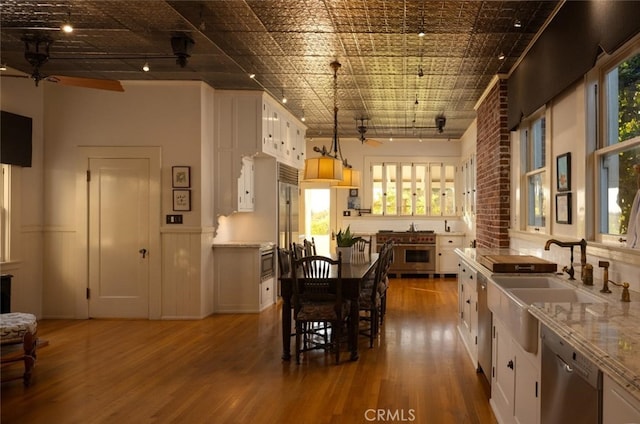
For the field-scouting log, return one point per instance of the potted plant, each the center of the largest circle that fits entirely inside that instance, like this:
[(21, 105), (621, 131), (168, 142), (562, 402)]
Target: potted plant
[(345, 241)]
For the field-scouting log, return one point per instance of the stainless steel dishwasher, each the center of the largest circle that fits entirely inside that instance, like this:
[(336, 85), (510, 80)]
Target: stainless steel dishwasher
[(571, 389)]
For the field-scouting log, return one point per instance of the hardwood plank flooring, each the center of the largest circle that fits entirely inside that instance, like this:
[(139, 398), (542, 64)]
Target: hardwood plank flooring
[(227, 369)]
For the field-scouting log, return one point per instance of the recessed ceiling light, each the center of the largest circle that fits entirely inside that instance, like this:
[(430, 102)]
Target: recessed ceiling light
[(303, 119), (501, 56), (3, 67), (145, 67), (252, 75), (68, 28), (517, 23)]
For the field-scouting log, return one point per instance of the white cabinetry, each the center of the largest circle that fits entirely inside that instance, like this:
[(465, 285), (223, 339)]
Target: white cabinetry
[(239, 289), (515, 379), (468, 309), (249, 123), (447, 261), (618, 405), (246, 195)]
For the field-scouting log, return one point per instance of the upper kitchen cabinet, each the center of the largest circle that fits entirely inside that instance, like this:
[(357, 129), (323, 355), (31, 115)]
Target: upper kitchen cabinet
[(246, 124)]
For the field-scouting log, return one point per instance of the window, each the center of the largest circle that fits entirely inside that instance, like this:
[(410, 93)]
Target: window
[(4, 213), (618, 150), (533, 142), (403, 189)]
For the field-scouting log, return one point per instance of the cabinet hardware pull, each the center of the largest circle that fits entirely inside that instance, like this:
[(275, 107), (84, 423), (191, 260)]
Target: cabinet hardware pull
[(510, 364)]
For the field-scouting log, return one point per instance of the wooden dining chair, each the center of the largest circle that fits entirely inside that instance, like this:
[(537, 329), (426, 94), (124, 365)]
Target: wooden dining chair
[(370, 300), (317, 298), (362, 246), (297, 250), (309, 247)]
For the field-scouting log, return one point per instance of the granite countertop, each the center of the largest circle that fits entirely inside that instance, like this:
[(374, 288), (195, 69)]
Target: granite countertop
[(607, 333), (258, 244)]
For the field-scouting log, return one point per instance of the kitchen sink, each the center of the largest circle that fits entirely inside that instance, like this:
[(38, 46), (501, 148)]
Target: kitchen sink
[(529, 281), (555, 295), (509, 297)]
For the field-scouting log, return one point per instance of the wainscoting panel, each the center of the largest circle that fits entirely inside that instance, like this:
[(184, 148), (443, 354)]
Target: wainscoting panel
[(62, 283), (184, 290)]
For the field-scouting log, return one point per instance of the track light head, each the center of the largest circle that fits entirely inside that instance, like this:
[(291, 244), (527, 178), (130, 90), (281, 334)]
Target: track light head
[(182, 44)]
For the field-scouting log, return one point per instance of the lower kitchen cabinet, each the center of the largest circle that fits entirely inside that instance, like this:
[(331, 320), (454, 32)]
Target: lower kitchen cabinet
[(238, 287), (618, 405), (446, 259), (468, 308), (515, 382)]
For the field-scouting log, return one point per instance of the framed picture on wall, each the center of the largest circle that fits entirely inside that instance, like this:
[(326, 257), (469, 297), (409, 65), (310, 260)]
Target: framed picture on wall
[(181, 176), (563, 208), (563, 172), (181, 200)]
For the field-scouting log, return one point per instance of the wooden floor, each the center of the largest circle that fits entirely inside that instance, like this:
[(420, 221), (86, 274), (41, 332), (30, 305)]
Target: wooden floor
[(227, 369)]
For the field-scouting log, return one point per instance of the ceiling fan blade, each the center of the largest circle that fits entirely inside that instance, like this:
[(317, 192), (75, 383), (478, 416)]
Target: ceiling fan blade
[(100, 84), (373, 143)]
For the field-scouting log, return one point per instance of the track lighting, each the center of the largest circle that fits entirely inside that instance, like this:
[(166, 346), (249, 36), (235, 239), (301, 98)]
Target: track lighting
[(145, 67), (66, 26), (517, 23), (252, 75)]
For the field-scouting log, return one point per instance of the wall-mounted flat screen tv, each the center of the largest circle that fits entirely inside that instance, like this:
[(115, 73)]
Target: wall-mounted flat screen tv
[(15, 139)]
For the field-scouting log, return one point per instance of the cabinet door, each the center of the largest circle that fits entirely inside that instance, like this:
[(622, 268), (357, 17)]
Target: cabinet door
[(618, 406), (246, 196), (447, 260), (527, 389), (503, 375)]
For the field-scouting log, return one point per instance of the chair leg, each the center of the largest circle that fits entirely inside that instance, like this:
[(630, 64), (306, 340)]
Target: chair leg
[(298, 340)]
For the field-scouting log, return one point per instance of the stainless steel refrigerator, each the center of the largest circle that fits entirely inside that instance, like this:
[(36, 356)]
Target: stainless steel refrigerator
[(288, 194)]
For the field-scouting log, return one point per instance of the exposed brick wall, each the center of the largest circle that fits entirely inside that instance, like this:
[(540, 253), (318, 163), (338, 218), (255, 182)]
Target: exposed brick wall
[(493, 170)]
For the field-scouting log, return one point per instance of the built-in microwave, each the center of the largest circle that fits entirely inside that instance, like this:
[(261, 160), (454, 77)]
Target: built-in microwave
[(267, 263)]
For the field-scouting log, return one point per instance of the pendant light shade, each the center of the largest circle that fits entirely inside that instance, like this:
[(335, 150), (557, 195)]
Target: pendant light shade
[(323, 169), (350, 178)]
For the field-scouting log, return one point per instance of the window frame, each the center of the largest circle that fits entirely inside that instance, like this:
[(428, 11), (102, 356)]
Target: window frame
[(598, 135), (5, 214), (527, 170), (398, 163)]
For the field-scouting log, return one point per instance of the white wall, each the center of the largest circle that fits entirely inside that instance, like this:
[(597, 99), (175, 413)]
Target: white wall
[(174, 116), (20, 96)]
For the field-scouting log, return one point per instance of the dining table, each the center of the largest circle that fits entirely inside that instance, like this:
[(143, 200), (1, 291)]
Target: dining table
[(354, 272)]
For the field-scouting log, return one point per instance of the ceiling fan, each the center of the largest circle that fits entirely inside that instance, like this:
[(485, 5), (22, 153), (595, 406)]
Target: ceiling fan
[(362, 129), (37, 54)]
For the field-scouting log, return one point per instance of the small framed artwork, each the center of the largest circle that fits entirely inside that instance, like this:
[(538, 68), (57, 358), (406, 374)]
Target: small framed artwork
[(563, 208), (181, 176), (181, 200), (563, 168)]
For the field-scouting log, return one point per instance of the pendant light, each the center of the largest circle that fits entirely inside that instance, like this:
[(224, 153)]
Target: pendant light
[(327, 167)]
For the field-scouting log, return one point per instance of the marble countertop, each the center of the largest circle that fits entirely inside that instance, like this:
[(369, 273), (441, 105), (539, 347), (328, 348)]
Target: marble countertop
[(257, 244), (608, 333)]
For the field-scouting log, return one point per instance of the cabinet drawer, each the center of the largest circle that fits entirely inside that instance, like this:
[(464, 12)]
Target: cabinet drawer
[(452, 241), (266, 293)]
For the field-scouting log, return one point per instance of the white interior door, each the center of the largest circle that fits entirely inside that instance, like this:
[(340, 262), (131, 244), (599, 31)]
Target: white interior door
[(119, 238)]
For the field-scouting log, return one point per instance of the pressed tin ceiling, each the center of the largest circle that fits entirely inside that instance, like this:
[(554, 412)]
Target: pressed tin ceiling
[(289, 45)]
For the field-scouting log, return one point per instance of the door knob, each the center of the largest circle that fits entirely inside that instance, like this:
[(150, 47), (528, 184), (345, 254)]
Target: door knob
[(143, 251)]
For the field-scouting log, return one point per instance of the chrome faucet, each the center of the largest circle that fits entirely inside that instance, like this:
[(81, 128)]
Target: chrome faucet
[(583, 255)]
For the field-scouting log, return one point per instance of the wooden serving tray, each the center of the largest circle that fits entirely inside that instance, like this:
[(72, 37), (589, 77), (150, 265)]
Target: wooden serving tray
[(517, 263)]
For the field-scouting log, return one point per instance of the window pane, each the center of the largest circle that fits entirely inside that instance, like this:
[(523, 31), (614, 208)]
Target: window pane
[(536, 145), (449, 198), (377, 191), (436, 189), (407, 193), (623, 101), (618, 188), (421, 189), (391, 190), (536, 201)]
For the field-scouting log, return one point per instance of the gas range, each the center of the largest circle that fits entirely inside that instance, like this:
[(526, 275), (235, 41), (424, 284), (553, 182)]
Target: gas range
[(407, 237)]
